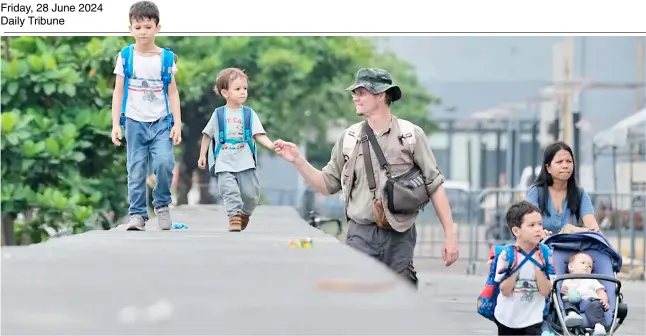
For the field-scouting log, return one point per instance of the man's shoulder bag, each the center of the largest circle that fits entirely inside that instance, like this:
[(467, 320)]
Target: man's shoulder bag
[(405, 193)]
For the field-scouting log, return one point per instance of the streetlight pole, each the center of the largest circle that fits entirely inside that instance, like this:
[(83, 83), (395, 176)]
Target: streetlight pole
[(568, 60), (639, 94), (640, 100)]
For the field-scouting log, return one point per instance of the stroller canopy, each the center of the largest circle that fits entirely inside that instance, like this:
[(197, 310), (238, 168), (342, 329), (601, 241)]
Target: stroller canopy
[(583, 241)]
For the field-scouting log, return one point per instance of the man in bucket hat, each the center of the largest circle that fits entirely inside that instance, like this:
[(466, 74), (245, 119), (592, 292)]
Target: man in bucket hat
[(374, 228), (376, 81)]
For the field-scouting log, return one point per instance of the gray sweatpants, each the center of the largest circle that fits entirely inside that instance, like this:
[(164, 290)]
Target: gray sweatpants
[(240, 191), (395, 249)]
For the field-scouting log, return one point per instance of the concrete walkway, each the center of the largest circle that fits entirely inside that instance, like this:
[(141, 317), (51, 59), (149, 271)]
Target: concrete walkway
[(205, 280)]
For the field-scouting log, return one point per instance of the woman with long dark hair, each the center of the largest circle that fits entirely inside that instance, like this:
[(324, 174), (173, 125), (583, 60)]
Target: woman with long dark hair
[(557, 194)]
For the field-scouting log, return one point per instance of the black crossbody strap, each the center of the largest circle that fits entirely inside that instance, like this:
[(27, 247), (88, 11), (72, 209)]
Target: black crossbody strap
[(367, 162), (375, 146)]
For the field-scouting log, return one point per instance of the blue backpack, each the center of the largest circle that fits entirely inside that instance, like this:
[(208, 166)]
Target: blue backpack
[(488, 297), (247, 137), (168, 57)]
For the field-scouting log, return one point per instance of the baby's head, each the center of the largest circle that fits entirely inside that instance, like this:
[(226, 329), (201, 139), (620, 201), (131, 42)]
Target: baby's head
[(580, 263), (231, 84)]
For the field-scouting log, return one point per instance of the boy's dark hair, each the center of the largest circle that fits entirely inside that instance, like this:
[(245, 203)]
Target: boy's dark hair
[(517, 211), (142, 10)]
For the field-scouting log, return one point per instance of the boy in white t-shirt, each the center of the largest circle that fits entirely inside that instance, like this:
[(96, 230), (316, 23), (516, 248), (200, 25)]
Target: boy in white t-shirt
[(594, 298), (234, 165), (148, 128), (520, 305)]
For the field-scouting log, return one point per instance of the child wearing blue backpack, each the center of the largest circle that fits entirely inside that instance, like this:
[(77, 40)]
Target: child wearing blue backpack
[(516, 295), (229, 140), (145, 103)]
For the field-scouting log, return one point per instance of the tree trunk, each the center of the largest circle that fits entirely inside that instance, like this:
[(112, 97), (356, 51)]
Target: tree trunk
[(185, 184), (8, 238), (192, 135), (26, 236), (192, 138), (203, 179)]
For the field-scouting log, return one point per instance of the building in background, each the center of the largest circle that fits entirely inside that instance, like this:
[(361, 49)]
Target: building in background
[(474, 74)]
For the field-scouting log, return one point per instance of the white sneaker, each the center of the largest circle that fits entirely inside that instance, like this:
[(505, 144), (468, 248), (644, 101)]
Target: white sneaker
[(573, 319), (599, 329), (163, 218), (136, 223)]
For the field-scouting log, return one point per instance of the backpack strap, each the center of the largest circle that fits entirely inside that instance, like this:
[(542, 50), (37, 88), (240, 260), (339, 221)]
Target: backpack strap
[(511, 252), (247, 130), (168, 58), (350, 139), (512, 256), (247, 119), (352, 136), (407, 134), (546, 254), (126, 58), (220, 115)]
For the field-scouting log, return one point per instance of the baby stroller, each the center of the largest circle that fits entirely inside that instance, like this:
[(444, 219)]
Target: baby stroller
[(607, 263)]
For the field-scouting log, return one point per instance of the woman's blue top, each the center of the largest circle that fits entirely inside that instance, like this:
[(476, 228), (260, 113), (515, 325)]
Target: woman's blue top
[(555, 221)]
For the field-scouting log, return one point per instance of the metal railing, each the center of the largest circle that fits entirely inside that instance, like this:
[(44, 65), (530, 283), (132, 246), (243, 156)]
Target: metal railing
[(479, 216), (480, 222)]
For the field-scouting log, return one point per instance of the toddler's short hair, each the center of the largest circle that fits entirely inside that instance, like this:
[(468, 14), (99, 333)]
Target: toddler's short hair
[(225, 77), (141, 10)]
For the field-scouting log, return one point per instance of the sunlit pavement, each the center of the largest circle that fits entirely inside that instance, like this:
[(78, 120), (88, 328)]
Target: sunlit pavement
[(205, 280)]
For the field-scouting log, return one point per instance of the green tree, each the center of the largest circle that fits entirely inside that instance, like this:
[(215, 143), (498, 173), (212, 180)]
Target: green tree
[(296, 84), (58, 164)]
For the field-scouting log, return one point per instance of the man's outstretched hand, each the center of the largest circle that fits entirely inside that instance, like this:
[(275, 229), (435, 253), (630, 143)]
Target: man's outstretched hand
[(287, 150)]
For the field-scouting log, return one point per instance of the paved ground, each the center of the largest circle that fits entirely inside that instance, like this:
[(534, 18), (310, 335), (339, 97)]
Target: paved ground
[(457, 293), (204, 280)]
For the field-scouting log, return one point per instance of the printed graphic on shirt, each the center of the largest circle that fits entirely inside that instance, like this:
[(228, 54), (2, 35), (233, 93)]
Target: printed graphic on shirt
[(232, 157), (235, 131), (146, 99), (151, 88), (526, 289)]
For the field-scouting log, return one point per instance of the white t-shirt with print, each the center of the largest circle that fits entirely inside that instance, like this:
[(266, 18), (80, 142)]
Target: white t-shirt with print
[(525, 306), (586, 287), (232, 157), (146, 102)]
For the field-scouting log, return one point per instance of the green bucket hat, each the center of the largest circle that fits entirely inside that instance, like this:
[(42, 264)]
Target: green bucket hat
[(376, 81)]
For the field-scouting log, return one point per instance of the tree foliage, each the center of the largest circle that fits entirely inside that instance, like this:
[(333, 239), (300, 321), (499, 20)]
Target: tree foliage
[(58, 165)]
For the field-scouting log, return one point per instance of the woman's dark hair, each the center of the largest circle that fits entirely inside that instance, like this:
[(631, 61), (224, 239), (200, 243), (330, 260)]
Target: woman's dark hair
[(544, 180)]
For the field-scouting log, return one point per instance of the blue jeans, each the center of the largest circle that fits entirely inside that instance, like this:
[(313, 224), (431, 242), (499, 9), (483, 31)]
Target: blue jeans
[(144, 139)]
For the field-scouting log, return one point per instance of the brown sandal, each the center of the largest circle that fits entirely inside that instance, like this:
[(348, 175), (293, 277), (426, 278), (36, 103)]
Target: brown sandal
[(244, 219), (235, 223)]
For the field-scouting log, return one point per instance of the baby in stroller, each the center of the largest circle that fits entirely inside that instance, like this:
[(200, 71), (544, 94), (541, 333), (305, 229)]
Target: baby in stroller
[(586, 294)]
